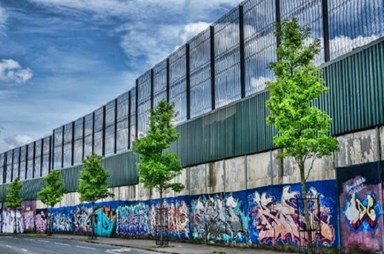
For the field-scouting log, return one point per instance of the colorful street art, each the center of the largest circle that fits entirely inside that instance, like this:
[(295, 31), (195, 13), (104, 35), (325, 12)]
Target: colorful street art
[(41, 220), (219, 218), (61, 220), (105, 221), (28, 216), (360, 196), (139, 219), (133, 220), (81, 219), (276, 218), (8, 223), (267, 215), (177, 217)]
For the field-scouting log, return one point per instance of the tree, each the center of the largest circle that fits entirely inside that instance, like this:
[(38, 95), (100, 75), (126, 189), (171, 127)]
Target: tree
[(93, 184), (303, 129), (13, 199), (157, 166), (51, 194)]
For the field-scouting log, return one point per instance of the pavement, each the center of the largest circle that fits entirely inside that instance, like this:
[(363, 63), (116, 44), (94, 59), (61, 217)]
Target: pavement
[(173, 247)]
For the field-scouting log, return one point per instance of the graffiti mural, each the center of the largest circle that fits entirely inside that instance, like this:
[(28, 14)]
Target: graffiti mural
[(41, 220), (360, 195), (133, 220), (219, 218), (266, 215), (9, 221), (276, 217), (105, 221), (177, 217), (81, 218), (62, 220), (28, 215), (25, 218)]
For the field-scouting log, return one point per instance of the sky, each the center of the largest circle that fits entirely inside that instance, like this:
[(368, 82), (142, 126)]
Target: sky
[(62, 59)]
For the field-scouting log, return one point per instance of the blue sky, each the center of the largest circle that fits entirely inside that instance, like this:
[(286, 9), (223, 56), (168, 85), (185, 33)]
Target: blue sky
[(62, 59)]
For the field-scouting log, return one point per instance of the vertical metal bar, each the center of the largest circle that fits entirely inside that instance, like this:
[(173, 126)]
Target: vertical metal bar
[(83, 138), (278, 17), (41, 156), (188, 81), (129, 119), (51, 151), (93, 132), (115, 129), (13, 152), (50, 161), (213, 89), (5, 167), (62, 148), (103, 133), (73, 144), (324, 5), (168, 79), (33, 160), (19, 159), (137, 107), (152, 88), (242, 61)]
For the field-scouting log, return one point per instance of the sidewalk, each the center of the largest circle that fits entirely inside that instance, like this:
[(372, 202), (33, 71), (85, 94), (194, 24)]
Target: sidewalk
[(174, 247)]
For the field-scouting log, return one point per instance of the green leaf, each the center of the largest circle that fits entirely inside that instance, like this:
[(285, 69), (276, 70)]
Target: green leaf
[(54, 189), (93, 180), (157, 166), (13, 199)]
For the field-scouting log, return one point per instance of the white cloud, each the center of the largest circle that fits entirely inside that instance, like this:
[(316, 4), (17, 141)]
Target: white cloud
[(192, 29), (12, 72), (259, 83), (153, 43), (18, 140), (3, 21), (341, 45)]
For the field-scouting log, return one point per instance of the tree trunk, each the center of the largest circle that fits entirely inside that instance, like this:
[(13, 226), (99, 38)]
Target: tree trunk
[(161, 218), (93, 236), (49, 223), (15, 223), (308, 226)]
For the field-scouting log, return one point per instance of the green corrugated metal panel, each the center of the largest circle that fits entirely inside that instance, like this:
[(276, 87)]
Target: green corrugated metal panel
[(357, 90), (28, 191), (253, 134), (122, 169), (3, 192), (31, 188), (70, 177)]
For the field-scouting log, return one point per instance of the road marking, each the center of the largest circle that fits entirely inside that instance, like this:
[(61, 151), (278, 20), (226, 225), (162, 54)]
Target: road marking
[(44, 241), (15, 248), (118, 250), (65, 244), (85, 247)]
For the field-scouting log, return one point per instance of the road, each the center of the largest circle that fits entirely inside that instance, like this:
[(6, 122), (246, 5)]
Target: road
[(32, 245)]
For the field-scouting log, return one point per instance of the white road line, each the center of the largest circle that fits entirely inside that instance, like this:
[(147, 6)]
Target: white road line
[(44, 241), (112, 251), (15, 248), (65, 244), (85, 247)]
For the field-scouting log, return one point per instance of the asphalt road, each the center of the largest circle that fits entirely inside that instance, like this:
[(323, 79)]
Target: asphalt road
[(31, 245)]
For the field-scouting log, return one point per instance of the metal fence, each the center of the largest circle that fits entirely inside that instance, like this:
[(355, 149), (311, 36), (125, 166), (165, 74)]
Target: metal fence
[(223, 64)]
